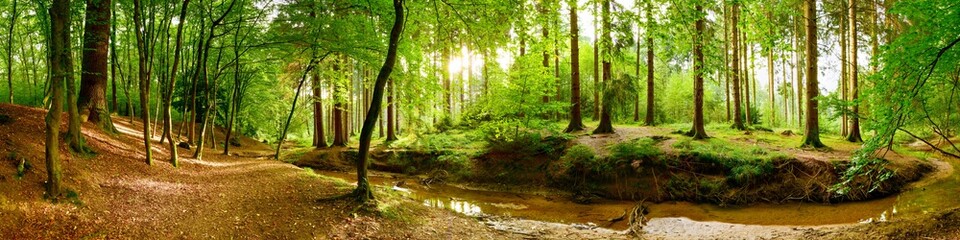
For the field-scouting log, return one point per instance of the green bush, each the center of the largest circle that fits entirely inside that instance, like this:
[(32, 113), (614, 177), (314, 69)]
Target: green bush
[(577, 164), (457, 164), (627, 157)]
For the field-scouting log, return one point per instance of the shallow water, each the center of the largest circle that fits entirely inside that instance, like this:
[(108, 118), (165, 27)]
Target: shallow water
[(921, 200)]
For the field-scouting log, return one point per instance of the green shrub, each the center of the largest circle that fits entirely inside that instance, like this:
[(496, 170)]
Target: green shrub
[(457, 164), (577, 164), (627, 157)]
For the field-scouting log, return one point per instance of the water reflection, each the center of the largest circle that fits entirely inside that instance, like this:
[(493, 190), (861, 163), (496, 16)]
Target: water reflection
[(455, 205)]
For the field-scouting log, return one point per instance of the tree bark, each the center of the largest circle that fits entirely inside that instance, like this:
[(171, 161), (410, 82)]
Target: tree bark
[(320, 138), (736, 75), (649, 119), (168, 97), (606, 125), (59, 62), (144, 77), (364, 192), (92, 101), (596, 65), (698, 131), (391, 112), (576, 119), (811, 136), (13, 22), (854, 132), (339, 128)]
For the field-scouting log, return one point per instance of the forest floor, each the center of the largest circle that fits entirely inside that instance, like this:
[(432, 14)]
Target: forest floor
[(247, 195)]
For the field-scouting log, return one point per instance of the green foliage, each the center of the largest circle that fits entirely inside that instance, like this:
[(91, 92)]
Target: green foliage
[(742, 165), (627, 157), (863, 176), (577, 165)]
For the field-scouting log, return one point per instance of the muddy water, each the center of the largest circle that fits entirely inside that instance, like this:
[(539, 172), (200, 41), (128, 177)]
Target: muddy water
[(922, 199)]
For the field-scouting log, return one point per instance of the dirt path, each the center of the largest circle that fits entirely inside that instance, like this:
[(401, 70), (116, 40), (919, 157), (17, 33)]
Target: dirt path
[(120, 197)]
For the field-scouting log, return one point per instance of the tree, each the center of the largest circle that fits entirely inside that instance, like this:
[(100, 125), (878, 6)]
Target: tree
[(811, 136), (698, 132), (60, 68), (737, 76), (363, 192), (12, 24), (293, 107), (391, 112), (576, 118), (320, 139), (606, 42), (648, 120), (854, 132), (144, 54), (92, 101), (168, 96)]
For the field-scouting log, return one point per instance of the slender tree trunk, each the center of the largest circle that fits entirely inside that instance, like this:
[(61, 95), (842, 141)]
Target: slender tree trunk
[(391, 111), (770, 86), (606, 125), (59, 62), (144, 77), (339, 127), (812, 131), (844, 70), (576, 120), (113, 60), (13, 22), (799, 77), (726, 61), (698, 131), (168, 97), (237, 81), (293, 108), (737, 111), (320, 137), (746, 79), (651, 112), (364, 192), (854, 135), (596, 65)]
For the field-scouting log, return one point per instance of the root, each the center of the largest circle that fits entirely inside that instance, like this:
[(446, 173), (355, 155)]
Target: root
[(638, 218)]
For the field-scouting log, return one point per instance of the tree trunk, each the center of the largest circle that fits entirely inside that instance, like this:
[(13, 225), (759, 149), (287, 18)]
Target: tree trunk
[(168, 97), (391, 112), (364, 192), (293, 107), (698, 131), (59, 62), (576, 120), (811, 136), (339, 128), (144, 77), (596, 65), (726, 61), (93, 77), (320, 136), (735, 35), (113, 61), (854, 135), (844, 70), (13, 22), (746, 78), (606, 125), (649, 120)]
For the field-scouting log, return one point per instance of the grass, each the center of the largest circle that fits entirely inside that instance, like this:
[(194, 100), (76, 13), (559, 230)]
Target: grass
[(742, 164), (338, 183)]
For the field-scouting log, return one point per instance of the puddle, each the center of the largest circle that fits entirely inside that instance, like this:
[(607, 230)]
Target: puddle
[(560, 210)]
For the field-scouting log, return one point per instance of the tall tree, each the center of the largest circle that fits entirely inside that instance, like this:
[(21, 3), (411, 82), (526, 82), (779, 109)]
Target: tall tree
[(320, 138), (698, 131), (596, 64), (143, 51), (576, 118), (60, 68), (853, 71), (391, 111), (737, 76), (811, 136), (211, 104), (364, 193), (606, 42), (293, 107), (10, 28), (171, 83), (648, 120), (93, 77)]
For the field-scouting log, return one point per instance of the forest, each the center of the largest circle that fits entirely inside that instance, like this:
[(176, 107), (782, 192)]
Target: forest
[(479, 119)]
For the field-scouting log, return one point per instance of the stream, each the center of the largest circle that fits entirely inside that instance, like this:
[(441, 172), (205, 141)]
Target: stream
[(931, 193)]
